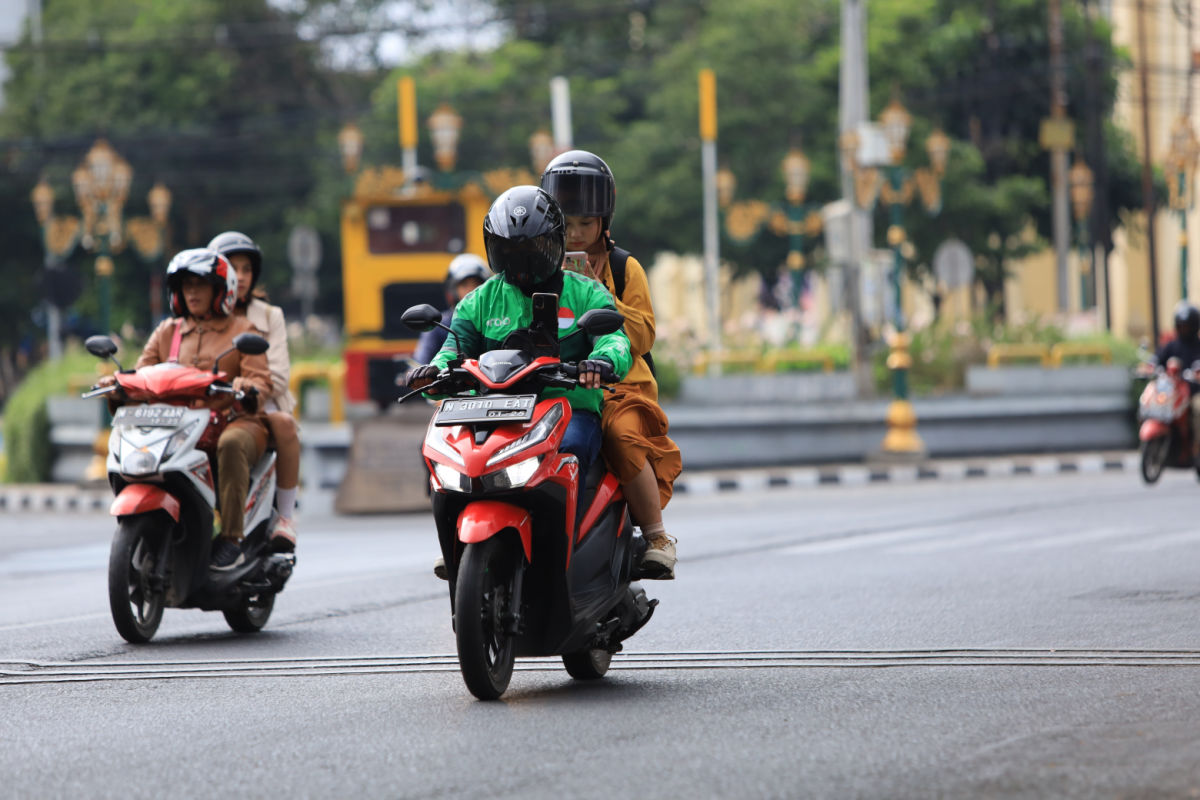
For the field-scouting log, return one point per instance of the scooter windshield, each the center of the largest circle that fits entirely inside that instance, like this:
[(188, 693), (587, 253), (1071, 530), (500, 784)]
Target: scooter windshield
[(499, 365)]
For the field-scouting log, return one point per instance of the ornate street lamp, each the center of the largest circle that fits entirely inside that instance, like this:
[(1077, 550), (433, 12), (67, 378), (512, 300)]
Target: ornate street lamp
[(350, 144), (541, 149), (796, 171), (444, 127), (101, 184), (896, 122)]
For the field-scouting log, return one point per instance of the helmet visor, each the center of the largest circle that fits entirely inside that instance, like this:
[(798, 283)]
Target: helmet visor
[(581, 195), (525, 262)]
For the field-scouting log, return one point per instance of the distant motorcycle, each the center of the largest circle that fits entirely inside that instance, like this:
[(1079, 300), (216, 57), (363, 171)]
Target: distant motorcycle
[(530, 575), (159, 469), (1166, 434)]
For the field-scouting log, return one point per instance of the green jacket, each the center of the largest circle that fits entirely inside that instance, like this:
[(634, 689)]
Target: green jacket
[(484, 317)]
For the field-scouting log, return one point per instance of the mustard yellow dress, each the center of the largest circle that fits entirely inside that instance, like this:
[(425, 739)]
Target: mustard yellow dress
[(634, 425)]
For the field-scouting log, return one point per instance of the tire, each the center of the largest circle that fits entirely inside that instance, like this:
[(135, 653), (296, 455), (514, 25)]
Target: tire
[(587, 665), (481, 602), (136, 608), (1154, 458), (252, 614)]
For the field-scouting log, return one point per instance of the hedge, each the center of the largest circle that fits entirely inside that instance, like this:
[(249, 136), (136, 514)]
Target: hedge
[(28, 454)]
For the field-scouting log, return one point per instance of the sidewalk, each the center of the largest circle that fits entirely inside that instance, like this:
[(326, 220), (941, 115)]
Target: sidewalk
[(61, 497)]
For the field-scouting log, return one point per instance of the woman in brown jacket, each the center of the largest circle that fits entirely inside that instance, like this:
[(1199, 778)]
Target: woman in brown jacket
[(636, 445), (203, 289)]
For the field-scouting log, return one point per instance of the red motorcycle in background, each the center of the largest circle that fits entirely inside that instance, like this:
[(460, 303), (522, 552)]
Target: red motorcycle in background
[(540, 559), (1166, 434)]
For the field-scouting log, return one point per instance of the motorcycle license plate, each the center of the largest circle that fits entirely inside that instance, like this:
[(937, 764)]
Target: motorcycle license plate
[(489, 408), (149, 416)]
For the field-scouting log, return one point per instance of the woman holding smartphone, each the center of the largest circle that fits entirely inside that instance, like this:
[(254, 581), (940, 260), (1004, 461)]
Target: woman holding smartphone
[(636, 445)]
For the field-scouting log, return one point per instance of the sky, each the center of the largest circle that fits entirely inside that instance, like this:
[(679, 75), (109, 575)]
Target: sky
[(12, 17)]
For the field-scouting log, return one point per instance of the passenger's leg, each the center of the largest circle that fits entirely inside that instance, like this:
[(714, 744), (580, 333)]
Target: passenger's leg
[(287, 469)]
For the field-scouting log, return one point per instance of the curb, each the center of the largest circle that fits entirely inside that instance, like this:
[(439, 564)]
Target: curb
[(52, 497), (721, 481)]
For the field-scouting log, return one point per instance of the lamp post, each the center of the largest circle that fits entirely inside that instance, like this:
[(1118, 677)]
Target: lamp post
[(444, 127), (896, 190), (59, 237), (148, 235), (101, 184), (1082, 186), (1180, 164)]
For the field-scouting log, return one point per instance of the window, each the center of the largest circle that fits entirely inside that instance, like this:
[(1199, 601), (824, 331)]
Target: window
[(416, 229)]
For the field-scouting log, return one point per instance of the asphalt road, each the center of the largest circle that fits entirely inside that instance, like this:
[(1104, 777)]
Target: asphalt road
[(1023, 637)]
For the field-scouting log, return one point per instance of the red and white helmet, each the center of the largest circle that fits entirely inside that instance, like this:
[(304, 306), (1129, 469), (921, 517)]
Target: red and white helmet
[(207, 264)]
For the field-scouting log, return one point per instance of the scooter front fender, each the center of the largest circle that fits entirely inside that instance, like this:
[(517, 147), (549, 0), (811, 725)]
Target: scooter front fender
[(139, 498), (1152, 429), (483, 519)]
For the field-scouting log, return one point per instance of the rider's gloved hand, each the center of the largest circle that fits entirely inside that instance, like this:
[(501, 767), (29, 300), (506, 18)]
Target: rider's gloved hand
[(594, 371), (422, 376)]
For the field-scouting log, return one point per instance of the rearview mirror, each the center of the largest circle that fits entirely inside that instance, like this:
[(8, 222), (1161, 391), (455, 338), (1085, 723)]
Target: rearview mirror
[(100, 346), (600, 321), (421, 318), (251, 344)]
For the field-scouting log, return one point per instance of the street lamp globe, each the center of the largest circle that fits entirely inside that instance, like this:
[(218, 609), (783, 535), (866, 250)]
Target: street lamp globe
[(159, 200), (938, 148), (350, 144), (1082, 189), (796, 171), (726, 186), (541, 149), (444, 127), (43, 201), (896, 123)]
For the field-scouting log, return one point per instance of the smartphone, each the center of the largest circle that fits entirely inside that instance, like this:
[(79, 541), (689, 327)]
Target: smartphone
[(545, 312), (576, 261)]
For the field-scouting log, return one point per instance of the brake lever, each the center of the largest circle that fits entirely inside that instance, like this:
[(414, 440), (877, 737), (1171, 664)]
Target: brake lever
[(425, 388), (98, 391)]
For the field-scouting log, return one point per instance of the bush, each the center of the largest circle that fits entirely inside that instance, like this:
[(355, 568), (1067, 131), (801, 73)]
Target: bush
[(27, 448)]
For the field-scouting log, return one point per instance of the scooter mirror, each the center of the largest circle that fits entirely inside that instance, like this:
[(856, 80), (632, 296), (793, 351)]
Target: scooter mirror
[(600, 321), (421, 318), (250, 343), (100, 346)]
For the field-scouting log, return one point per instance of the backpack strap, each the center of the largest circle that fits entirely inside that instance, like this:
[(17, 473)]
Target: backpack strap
[(176, 340), (617, 259)]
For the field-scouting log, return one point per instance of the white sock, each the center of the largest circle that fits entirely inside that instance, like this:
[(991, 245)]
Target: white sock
[(285, 501), (650, 531)]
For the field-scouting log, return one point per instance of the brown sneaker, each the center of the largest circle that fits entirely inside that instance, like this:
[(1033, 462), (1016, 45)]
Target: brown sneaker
[(658, 562)]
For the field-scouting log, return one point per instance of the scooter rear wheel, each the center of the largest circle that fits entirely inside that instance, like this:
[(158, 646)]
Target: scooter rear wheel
[(136, 605), (587, 665), (1154, 458), (482, 600), (251, 614)]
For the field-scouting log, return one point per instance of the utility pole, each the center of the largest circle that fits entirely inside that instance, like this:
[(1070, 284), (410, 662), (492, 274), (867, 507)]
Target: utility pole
[(712, 242), (852, 112), (1147, 180), (1058, 154), (1097, 157)]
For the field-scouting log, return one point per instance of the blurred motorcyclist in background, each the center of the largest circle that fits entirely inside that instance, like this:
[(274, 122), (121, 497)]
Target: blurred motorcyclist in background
[(466, 272), (1186, 347), (278, 405)]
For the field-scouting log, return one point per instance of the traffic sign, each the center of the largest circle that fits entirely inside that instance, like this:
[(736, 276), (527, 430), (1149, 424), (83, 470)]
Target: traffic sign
[(304, 249)]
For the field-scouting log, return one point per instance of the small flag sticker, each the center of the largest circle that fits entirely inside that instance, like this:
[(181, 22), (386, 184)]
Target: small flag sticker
[(566, 318)]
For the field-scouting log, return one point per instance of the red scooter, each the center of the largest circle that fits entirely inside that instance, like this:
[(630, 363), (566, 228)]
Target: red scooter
[(1166, 433), (537, 564)]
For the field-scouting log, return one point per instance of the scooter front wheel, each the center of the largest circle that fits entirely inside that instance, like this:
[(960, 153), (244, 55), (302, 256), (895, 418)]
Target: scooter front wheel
[(1154, 458), (135, 595), (251, 614), (587, 665), (482, 610)]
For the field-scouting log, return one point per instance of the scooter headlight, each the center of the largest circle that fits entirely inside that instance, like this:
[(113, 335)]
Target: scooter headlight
[(451, 478), (178, 439), (538, 433), (512, 477), (139, 462)]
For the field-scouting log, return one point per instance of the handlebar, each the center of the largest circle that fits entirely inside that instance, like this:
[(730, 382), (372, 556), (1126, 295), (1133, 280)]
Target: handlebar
[(561, 375)]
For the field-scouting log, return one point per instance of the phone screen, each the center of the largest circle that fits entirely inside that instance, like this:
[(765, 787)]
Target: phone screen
[(576, 261)]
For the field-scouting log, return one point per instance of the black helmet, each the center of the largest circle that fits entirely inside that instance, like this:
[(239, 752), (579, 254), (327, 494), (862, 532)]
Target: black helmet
[(525, 237), (583, 185), (1187, 320), (231, 242)]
